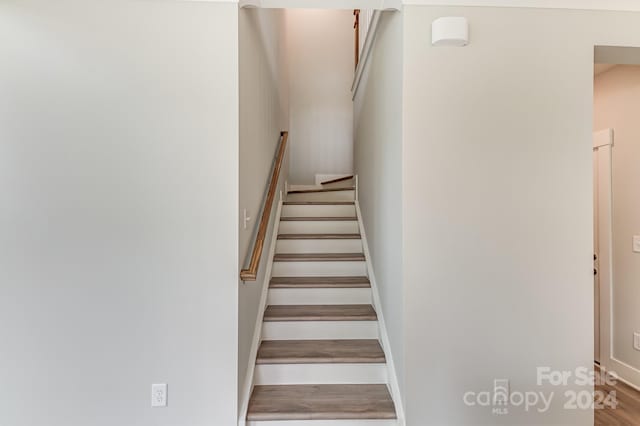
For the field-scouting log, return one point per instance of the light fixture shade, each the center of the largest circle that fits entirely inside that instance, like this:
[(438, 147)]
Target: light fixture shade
[(450, 31)]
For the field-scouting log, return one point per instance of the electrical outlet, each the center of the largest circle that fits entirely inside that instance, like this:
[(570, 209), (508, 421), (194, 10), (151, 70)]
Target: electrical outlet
[(636, 243), (501, 391), (159, 395), (245, 218), (636, 341)]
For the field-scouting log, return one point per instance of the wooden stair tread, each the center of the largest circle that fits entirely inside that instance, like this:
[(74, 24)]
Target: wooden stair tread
[(318, 218), (307, 191), (318, 203), (320, 313), (341, 179), (365, 351), (320, 402), (319, 282), (319, 257), (319, 236)]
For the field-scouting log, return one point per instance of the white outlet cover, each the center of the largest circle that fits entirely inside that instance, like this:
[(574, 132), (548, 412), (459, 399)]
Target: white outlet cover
[(636, 341), (159, 395), (636, 243)]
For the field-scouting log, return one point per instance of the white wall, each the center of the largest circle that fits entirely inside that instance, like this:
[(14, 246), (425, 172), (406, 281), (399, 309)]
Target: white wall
[(616, 103), (497, 206), (263, 114), (119, 210), (321, 63), (378, 163)]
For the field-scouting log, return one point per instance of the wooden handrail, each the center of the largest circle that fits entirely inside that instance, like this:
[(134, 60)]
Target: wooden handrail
[(356, 27), (372, 29), (251, 273)]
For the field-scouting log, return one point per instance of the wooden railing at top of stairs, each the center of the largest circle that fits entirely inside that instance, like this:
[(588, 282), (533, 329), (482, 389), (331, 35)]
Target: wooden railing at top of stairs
[(251, 273)]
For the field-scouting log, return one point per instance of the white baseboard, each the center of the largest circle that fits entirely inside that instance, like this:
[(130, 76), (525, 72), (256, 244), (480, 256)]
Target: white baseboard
[(622, 371), (384, 337)]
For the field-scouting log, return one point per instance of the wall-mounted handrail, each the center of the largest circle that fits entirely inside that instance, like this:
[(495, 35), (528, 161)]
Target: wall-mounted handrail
[(372, 30), (356, 28), (251, 273)]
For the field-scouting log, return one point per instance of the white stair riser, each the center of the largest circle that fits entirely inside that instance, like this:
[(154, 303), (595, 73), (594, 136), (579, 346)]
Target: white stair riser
[(319, 296), (319, 227), (309, 330), (323, 196), (309, 374), (319, 211), (319, 246), (319, 269), (294, 187), (324, 423)]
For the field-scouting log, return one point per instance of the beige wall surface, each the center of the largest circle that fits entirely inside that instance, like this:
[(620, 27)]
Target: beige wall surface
[(320, 52), (262, 117), (497, 207), (119, 211), (616, 105), (378, 163)]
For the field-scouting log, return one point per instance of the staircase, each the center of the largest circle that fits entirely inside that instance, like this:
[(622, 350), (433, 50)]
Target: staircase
[(320, 361)]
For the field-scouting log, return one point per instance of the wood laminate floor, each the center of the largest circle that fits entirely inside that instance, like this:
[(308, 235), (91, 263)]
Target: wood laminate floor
[(355, 351), (320, 282), (627, 412), (319, 257), (321, 402), (320, 313)]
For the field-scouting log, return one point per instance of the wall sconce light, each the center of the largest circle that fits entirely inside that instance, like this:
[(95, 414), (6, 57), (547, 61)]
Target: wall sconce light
[(450, 31)]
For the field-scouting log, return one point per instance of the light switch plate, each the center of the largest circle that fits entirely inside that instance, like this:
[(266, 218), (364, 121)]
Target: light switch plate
[(636, 243), (636, 341), (159, 395)]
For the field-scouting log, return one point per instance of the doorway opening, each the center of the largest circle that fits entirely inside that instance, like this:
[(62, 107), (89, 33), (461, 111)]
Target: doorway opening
[(299, 69), (616, 151), (616, 224)]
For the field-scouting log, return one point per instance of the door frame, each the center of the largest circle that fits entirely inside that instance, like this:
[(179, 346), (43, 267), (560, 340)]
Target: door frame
[(603, 143), (602, 146)]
